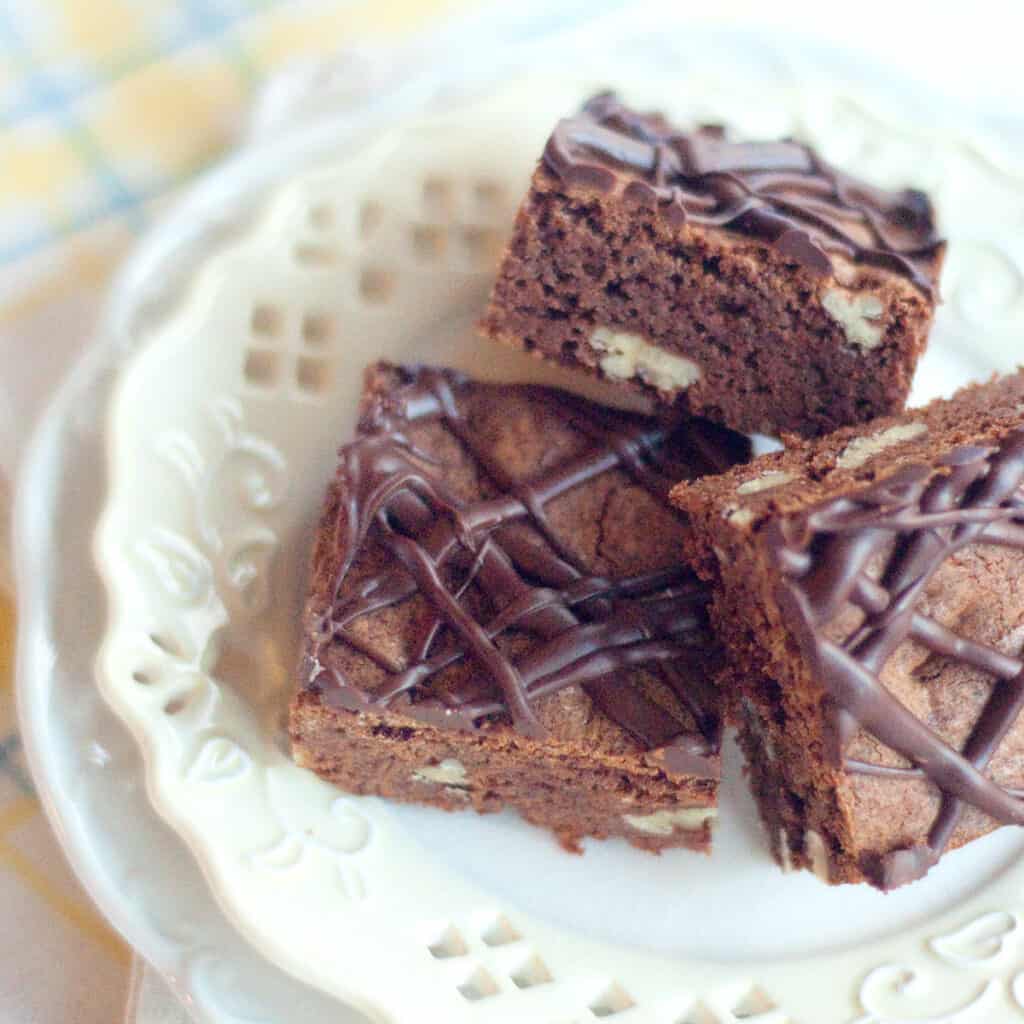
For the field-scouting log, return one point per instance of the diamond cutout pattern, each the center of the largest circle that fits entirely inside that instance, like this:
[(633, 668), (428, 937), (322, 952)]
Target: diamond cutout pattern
[(448, 944), (755, 1004), (261, 368), (500, 933), (613, 1001), (459, 221), (312, 376), (317, 329), (479, 985), (488, 195), (376, 285), (429, 242), (266, 321), (482, 983), (531, 973), (455, 220), (308, 370)]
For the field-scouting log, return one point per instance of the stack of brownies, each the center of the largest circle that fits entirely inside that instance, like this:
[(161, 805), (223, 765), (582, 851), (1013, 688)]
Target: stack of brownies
[(523, 598)]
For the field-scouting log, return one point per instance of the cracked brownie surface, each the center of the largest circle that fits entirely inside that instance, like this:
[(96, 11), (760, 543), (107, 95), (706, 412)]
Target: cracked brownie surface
[(868, 591), (499, 613)]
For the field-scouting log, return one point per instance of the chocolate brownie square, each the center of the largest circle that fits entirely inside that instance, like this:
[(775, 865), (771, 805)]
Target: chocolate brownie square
[(868, 590), (499, 614), (750, 283)]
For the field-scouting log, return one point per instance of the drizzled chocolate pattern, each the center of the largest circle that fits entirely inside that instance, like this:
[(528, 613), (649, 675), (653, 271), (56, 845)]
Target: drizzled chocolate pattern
[(582, 628), (781, 192), (973, 495)]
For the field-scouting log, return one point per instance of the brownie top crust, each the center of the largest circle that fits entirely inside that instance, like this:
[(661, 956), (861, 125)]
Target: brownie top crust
[(487, 549), (780, 192), (878, 549), (894, 553)]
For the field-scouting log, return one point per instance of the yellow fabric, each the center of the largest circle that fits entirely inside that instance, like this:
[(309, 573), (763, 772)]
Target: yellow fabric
[(106, 106)]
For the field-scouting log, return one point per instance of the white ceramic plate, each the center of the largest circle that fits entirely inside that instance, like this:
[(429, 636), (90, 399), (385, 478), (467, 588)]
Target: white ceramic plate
[(223, 431), (87, 768), (223, 428)]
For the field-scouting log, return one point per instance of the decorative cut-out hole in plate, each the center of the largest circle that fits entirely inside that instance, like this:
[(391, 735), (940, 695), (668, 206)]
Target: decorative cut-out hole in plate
[(312, 375), (614, 1000), (530, 973), (317, 328), (166, 644), (313, 254), (500, 932), (376, 284), (266, 321), (753, 1004), (429, 241), (482, 245), (437, 196), (487, 194), (321, 216), (699, 1014), (479, 985), (176, 705), (142, 677), (448, 944), (261, 367), (371, 214)]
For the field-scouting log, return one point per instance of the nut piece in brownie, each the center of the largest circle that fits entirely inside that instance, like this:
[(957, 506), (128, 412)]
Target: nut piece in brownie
[(867, 588), (499, 613), (750, 283)]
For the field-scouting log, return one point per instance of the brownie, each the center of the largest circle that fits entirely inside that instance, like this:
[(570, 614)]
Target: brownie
[(499, 614), (867, 588), (750, 283)]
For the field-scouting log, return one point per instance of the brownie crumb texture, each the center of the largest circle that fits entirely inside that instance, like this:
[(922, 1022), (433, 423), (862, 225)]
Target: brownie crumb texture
[(499, 614), (750, 283), (867, 591)]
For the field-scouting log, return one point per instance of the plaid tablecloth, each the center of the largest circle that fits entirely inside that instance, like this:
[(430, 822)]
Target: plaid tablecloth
[(106, 106)]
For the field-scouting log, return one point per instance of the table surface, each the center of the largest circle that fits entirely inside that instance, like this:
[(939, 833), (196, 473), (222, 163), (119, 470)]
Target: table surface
[(88, 90)]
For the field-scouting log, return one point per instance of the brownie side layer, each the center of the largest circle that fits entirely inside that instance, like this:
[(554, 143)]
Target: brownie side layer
[(848, 826), (573, 792), (543, 521), (751, 341)]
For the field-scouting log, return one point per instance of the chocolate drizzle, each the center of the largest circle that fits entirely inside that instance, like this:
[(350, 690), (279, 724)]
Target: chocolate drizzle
[(973, 495), (780, 192), (583, 629)]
